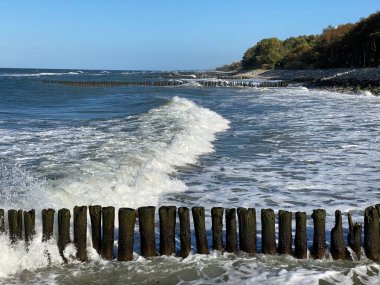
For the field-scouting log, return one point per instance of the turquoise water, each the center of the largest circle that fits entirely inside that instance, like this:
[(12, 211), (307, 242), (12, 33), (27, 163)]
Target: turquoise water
[(289, 148)]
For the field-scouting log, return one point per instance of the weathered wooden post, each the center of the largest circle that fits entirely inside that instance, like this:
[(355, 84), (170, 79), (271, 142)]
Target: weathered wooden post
[(285, 240), (96, 226), (377, 206), (167, 215), (268, 235), (247, 230), (300, 241), (80, 232), (2, 223), (338, 249), (108, 216), (200, 229), (63, 230), (319, 238), (29, 226), (371, 233), (217, 228), (47, 223), (127, 221), (15, 225), (354, 238), (231, 234), (147, 234), (184, 232)]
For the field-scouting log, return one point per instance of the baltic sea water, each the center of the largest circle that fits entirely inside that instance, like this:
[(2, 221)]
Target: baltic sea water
[(289, 148)]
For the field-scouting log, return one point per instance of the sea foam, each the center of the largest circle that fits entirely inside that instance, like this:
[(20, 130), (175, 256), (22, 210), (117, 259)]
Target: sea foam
[(170, 136), (130, 169)]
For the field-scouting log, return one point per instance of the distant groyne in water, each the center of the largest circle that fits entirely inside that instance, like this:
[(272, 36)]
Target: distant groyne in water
[(240, 231), (166, 83)]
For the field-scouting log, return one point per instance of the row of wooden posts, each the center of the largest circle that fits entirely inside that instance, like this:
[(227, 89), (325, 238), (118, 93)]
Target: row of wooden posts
[(194, 76), (103, 219), (205, 83)]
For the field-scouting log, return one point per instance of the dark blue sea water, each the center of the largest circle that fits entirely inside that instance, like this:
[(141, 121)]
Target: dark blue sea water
[(289, 148)]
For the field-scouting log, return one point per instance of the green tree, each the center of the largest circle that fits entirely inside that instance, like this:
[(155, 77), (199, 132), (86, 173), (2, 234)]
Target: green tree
[(348, 45), (299, 52), (265, 54)]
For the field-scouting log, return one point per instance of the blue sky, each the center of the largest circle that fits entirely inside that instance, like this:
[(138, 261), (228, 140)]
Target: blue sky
[(159, 35)]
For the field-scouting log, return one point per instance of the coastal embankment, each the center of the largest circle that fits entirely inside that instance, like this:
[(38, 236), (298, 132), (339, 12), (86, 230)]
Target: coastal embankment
[(351, 80), (344, 80)]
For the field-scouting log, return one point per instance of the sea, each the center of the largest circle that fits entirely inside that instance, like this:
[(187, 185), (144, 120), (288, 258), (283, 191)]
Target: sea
[(130, 146)]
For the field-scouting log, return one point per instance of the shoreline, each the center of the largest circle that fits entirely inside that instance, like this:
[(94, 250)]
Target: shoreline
[(345, 80)]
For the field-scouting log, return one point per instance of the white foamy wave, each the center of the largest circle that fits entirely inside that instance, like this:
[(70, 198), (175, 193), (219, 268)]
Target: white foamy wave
[(39, 74), (130, 169), (366, 93), (191, 83), (338, 74), (170, 136), (130, 72), (121, 167), (16, 186)]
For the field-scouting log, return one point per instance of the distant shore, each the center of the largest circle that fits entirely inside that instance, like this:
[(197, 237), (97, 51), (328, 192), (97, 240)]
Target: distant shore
[(348, 80)]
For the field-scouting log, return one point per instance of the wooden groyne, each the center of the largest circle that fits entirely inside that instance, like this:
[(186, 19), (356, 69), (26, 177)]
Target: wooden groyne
[(240, 231), (167, 83)]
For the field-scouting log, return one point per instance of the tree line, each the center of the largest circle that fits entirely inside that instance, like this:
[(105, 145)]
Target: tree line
[(347, 45)]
